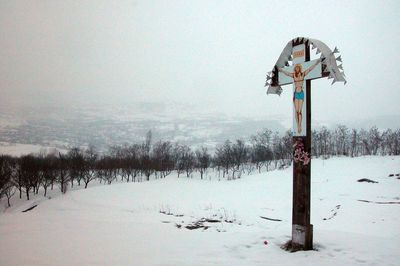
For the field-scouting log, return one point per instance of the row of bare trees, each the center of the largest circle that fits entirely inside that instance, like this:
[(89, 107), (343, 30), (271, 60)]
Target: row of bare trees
[(140, 162), (355, 142)]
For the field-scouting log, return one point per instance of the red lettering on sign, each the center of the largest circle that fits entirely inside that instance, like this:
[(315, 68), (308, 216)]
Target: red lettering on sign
[(298, 54)]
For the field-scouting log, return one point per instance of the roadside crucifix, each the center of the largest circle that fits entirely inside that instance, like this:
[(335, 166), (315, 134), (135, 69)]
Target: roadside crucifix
[(300, 73)]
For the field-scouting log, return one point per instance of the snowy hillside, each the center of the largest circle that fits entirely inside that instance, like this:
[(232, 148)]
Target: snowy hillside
[(149, 223)]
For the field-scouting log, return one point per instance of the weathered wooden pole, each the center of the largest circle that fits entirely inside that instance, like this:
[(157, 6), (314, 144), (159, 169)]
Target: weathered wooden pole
[(302, 229)]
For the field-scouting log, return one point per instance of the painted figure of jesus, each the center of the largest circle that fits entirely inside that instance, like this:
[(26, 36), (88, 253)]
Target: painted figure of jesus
[(298, 96)]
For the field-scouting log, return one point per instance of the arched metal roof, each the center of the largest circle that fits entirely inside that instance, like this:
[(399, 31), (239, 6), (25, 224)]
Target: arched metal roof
[(330, 63)]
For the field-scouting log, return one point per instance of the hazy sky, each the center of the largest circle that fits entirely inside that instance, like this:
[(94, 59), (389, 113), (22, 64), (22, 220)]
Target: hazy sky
[(211, 52)]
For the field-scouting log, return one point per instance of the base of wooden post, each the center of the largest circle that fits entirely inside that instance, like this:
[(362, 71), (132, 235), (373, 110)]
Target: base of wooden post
[(302, 238)]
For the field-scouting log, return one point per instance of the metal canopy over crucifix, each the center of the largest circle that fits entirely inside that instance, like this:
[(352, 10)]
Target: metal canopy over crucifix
[(300, 73)]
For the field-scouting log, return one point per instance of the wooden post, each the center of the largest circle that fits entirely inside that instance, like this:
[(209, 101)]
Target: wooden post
[(302, 229)]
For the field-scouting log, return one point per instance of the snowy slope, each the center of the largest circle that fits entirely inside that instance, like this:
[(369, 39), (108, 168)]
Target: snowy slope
[(137, 223)]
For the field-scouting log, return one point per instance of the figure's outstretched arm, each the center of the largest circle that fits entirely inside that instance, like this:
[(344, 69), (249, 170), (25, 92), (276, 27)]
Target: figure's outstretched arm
[(308, 70), (285, 72)]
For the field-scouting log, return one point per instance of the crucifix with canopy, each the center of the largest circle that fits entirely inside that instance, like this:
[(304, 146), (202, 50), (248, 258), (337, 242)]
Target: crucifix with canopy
[(295, 67)]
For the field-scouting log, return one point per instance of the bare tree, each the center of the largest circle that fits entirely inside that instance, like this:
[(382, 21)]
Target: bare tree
[(223, 158), (28, 173), (133, 160), (146, 164), (63, 173), (239, 157), (76, 165), (162, 157), (203, 160), (106, 168), (89, 170), (261, 152), (176, 154), (7, 171), (395, 143), (186, 160), (342, 134), (123, 155), (9, 191), (354, 142), (364, 142), (280, 150), (325, 137), (48, 168), (17, 179), (375, 139)]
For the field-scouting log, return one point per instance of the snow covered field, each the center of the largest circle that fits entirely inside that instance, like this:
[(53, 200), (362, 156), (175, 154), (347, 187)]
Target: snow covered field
[(145, 223)]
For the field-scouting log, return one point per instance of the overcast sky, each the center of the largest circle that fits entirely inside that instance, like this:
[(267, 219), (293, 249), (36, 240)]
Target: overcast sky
[(214, 53)]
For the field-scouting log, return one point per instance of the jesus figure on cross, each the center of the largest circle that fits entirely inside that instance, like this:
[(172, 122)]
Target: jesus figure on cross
[(298, 96)]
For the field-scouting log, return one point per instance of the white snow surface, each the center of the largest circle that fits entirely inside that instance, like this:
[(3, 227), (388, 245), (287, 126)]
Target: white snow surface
[(121, 224)]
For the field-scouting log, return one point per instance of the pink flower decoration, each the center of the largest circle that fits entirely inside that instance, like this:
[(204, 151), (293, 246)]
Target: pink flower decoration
[(299, 154), (306, 158)]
